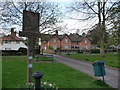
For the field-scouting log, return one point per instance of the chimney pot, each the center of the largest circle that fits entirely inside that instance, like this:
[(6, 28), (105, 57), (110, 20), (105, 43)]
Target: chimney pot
[(12, 29), (13, 32), (56, 32)]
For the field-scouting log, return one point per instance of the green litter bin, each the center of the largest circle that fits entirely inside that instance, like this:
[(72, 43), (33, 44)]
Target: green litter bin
[(99, 69)]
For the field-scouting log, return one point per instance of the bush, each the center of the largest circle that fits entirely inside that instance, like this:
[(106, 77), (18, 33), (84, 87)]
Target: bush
[(50, 47), (95, 51), (21, 51)]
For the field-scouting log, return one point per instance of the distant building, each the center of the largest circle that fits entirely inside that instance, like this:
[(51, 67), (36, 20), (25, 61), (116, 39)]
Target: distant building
[(1, 41), (118, 46), (94, 47), (12, 42), (72, 41)]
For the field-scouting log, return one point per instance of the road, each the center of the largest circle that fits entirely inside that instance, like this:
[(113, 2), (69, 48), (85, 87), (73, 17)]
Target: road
[(111, 77)]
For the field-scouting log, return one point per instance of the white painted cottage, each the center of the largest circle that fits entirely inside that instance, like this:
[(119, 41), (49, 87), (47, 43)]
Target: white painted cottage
[(12, 42)]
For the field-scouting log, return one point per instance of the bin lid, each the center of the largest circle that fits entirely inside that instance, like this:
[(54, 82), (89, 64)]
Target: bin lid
[(98, 62)]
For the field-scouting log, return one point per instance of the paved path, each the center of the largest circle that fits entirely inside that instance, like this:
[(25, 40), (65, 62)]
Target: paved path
[(111, 77)]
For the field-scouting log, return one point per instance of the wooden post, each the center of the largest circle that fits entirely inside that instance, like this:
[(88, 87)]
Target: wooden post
[(30, 57), (30, 30)]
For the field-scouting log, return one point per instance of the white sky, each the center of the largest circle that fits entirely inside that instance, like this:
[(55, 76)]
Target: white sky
[(72, 25)]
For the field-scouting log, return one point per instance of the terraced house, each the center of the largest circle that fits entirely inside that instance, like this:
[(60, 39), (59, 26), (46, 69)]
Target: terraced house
[(72, 41)]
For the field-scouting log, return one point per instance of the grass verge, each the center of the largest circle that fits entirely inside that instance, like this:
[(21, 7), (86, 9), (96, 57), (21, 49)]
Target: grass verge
[(110, 59), (15, 68)]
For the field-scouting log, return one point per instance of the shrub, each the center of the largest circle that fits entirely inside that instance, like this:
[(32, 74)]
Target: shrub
[(95, 51), (50, 47)]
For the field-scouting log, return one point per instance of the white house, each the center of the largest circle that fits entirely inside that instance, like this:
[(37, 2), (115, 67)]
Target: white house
[(12, 42)]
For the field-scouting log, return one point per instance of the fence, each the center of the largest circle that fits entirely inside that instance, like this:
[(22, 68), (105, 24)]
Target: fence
[(44, 57), (71, 51)]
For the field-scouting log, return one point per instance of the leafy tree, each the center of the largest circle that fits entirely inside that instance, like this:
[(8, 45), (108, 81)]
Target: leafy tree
[(114, 19), (92, 34), (95, 9)]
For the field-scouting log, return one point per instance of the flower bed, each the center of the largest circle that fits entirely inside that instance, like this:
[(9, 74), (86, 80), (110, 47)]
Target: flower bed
[(44, 85)]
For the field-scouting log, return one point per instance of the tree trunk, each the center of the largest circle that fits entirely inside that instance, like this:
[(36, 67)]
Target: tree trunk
[(103, 30), (101, 27), (100, 30)]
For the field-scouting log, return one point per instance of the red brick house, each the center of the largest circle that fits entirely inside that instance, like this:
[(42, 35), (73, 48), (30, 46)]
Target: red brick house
[(72, 41)]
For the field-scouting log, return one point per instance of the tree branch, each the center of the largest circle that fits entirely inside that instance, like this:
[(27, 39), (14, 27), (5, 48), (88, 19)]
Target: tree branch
[(91, 8), (110, 8)]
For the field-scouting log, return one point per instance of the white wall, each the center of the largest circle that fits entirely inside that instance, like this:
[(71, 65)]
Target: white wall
[(13, 45)]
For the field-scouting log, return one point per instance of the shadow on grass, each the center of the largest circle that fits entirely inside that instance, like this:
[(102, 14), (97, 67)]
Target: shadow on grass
[(86, 59), (101, 83)]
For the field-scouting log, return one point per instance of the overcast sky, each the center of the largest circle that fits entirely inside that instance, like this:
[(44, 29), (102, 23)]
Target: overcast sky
[(71, 25)]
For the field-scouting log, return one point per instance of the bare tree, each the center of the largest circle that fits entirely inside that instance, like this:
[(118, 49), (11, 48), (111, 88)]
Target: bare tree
[(95, 9), (11, 13)]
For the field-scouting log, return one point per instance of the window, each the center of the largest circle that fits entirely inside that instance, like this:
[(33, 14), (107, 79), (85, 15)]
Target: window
[(66, 40), (86, 47), (54, 47), (85, 41), (45, 48), (54, 40), (66, 47), (44, 42), (7, 48), (8, 42), (17, 42)]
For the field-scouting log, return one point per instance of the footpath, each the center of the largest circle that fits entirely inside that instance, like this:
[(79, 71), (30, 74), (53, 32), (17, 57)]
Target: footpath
[(111, 77)]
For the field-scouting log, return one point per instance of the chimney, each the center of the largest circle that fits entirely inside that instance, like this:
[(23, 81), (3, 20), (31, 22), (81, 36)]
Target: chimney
[(13, 33), (56, 32), (83, 34)]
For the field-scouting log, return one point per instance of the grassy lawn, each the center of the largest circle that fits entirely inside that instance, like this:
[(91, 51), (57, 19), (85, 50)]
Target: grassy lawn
[(110, 59), (14, 73)]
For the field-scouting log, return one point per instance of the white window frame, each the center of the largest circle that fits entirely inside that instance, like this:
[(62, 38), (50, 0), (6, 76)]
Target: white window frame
[(54, 47), (7, 48), (17, 42), (66, 40), (45, 48), (66, 47), (54, 40), (44, 42), (86, 47), (7, 42), (85, 41)]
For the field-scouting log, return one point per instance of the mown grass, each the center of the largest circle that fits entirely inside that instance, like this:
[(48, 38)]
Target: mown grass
[(15, 73), (66, 77), (110, 59)]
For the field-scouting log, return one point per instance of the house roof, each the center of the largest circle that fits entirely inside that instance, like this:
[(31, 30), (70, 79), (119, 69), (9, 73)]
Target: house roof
[(73, 37), (62, 36), (45, 37), (11, 37)]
